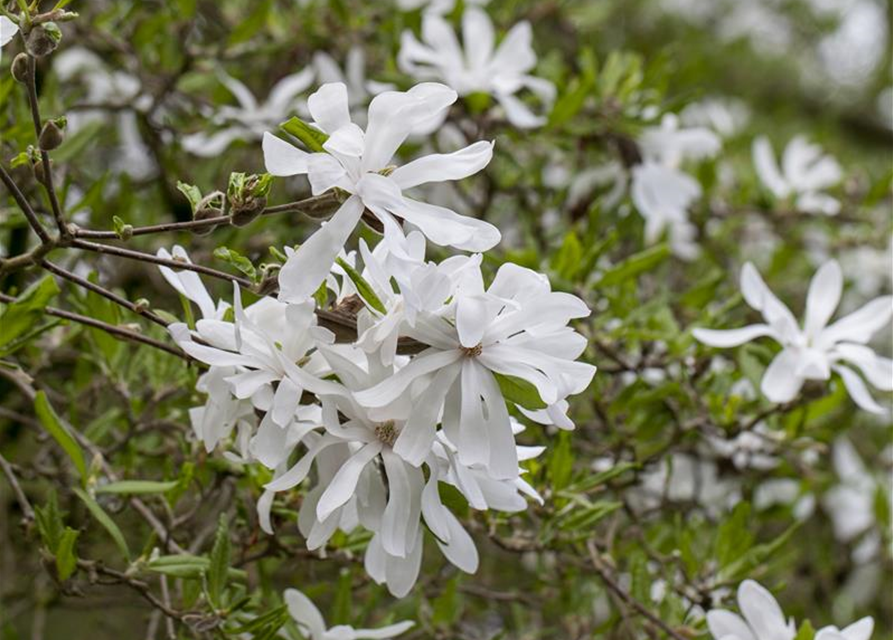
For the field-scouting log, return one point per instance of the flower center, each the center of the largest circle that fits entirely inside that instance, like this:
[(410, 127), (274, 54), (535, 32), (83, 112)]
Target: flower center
[(386, 432), (473, 352)]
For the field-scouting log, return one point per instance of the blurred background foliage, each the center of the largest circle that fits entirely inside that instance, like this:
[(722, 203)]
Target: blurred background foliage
[(796, 66)]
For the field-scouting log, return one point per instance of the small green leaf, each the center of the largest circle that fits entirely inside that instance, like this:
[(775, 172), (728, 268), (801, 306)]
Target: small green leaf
[(22, 315), (60, 432), (49, 522), (520, 391), (188, 566), (806, 631), (105, 520), (193, 194), (312, 138), (592, 482), (66, 559), (137, 487), (219, 563), (634, 265), (367, 293), (236, 260)]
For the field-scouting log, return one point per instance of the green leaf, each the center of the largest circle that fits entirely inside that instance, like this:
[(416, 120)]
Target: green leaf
[(49, 522), (137, 487), (584, 518), (634, 265), (806, 631), (77, 142), (252, 24), (105, 520), (734, 538), (236, 260), (66, 559), (60, 432), (600, 478), (261, 623), (24, 313), (569, 259), (561, 462), (188, 566), (367, 293), (312, 138), (520, 391), (193, 194), (757, 555), (219, 563)]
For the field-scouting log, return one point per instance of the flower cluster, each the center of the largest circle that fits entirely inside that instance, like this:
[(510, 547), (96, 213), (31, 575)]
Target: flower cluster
[(421, 397)]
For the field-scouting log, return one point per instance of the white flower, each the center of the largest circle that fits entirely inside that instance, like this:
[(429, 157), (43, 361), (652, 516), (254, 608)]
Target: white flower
[(804, 174), (481, 67), (434, 6), (250, 119), (517, 327), (8, 29), (359, 89), (661, 191), (815, 350), (860, 630), (358, 163), (850, 503), (725, 116), (311, 623), (761, 619)]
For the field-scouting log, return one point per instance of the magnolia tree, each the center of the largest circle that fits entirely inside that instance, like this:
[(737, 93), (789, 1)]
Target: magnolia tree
[(323, 364)]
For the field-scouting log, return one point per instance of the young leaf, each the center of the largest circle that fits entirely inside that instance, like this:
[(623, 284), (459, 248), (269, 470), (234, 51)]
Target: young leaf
[(22, 315), (236, 260), (219, 564), (312, 138), (367, 293), (520, 392), (66, 559), (634, 265), (105, 520), (137, 487), (193, 194), (49, 522), (60, 432)]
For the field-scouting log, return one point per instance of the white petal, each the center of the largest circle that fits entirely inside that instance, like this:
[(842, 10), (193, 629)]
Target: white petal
[(460, 550), (282, 158), (731, 337), (308, 266), (8, 29), (860, 325), (440, 167), (391, 388), (282, 96), (823, 297), (285, 402), (761, 298), (301, 468), (478, 37), (329, 107), (762, 612), (305, 613), (416, 437), (518, 113), (264, 506), (725, 624), (877, 369), (859, 630), (858, 391), (344, 484), (390, 631), (767, 168), (780, 381)]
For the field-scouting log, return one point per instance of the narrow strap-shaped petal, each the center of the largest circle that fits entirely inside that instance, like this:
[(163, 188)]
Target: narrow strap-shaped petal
[(282, 158), (780, 381), (823, 297), (442, 167), (732, 337), (858, 391), (391, 388), (344, 484), (305, 613)]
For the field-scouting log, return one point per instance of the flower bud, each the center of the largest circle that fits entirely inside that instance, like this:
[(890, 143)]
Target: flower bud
[(20, 68), (51, 136), (246, 211), (269, 281), (40, 172), (247, 196), (211, 206), (43, 39), (141, 305)]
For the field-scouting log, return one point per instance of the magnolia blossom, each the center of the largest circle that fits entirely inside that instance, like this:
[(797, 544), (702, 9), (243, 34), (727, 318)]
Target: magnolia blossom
[(8, 29), (763, 619), (359, 88), (818, 348), (804, 174), (250, 119), (661, 191), (312, 625), (481, 67), (434, 6), (359, 163), (517, 327), (725, 116)]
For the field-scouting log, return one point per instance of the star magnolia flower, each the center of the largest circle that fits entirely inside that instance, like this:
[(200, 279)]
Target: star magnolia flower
[(762, 618), (482, 67), (358, 163), (815, 350), (311, 623), (860, 630), (250, 119), (517, 328), (359, 89), (661, 191), (8, 29), (850, 503), (804, 174)]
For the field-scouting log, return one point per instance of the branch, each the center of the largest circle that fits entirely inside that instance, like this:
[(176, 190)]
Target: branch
[(108, 328), (25, 206), (317, 208), (44, 156), (24, 503), (605, 574), (95, 568)]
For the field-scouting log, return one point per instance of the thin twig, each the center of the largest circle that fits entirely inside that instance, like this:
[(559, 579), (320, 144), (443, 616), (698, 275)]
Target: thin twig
[(24, 503), (25, 206), (108, 328)]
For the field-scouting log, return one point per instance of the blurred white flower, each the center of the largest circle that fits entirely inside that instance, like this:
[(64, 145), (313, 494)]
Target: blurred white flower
[(435, 6), (357, 162), (359, 88), (725, 116), (250, 119), (761, 617), (481, 67), (8, 29), (311, 623), (805, 173), (813, 352)]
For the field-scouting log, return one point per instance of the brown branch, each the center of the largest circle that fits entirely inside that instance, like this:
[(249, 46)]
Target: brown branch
[(605, 574), (25, 206), (47, 180), (24, 503), (95, 568), (108, 328)]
